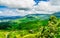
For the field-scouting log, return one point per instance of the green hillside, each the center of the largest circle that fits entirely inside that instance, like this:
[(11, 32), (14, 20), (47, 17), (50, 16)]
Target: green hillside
[(31, 28)]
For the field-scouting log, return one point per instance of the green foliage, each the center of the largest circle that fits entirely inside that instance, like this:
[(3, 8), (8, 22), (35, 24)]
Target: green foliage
[(20, 25), (4, 25), (32, 29), (51, 30), (26, 23)]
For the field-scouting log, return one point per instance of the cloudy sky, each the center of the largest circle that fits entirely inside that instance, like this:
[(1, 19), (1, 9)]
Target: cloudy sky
[(24, 7)]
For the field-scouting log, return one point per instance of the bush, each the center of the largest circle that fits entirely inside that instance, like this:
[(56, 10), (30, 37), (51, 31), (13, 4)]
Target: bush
[(51, 30)]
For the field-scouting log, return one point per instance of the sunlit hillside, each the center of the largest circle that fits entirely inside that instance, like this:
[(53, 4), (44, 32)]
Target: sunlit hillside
[(31, 28)]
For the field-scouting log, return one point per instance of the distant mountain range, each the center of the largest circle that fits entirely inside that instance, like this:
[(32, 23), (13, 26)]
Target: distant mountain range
[(30, 16), (38, 16), (9, 17), (57, 14)]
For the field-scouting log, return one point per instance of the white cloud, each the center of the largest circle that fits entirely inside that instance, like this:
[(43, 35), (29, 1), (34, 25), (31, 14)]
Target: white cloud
[(42, 8), (0, 12), (17, 3), (47, 7), (8, 12), (55, 2), (23, 12)]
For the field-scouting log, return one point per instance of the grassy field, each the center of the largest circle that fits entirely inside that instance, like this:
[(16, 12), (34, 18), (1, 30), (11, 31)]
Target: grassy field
[(31, 29)]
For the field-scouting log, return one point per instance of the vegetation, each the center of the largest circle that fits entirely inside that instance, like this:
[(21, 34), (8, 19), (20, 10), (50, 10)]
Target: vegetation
[(31, 29)]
